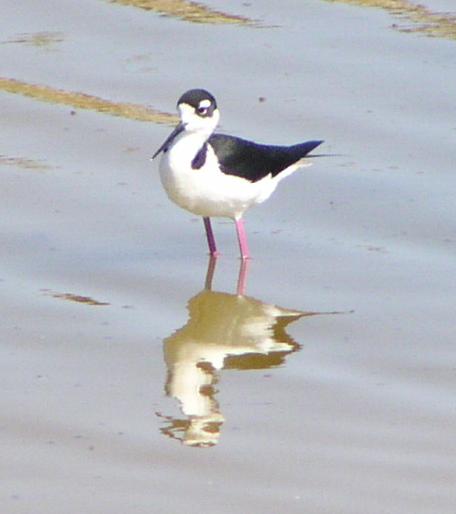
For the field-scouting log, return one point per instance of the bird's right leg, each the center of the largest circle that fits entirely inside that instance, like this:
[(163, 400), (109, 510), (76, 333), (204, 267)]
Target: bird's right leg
[(210, 237)]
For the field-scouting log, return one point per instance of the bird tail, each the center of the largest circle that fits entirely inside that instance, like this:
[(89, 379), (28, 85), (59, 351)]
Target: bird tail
[(307, 147)]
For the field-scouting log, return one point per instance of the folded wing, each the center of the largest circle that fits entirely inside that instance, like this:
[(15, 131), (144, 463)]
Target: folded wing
[(253, 161)]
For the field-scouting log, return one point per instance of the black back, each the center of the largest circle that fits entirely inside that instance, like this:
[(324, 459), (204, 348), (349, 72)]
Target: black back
[(253, 161)]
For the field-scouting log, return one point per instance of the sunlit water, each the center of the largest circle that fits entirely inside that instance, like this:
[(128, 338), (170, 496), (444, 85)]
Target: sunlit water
[(135, 379)]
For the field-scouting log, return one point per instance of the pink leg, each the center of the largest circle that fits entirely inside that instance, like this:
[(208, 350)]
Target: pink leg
[(210, 237), (242, 238), (242, 279)]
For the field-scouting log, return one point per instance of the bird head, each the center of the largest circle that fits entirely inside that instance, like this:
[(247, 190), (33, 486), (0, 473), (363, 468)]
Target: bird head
[(198, 114), (198, 111)]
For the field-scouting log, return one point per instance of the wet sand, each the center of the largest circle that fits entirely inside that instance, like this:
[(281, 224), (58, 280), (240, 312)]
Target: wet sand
[(130, 385)]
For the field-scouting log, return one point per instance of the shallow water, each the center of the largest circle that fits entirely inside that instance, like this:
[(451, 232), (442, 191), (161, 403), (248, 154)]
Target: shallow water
[(327, 387)]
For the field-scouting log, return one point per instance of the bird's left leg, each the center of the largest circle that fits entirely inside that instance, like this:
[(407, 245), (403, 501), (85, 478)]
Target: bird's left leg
[(242, 238)]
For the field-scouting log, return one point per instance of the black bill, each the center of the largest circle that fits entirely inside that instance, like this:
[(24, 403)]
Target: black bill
[(179, 128)]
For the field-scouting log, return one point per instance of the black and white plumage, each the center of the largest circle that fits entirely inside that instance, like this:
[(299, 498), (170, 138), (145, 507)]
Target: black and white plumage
[(216, 175)]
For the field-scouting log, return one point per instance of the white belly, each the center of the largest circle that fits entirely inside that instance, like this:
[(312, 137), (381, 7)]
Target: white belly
[(207, 191)]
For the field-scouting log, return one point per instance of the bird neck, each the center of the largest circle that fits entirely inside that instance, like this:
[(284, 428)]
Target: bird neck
[(190, 147)]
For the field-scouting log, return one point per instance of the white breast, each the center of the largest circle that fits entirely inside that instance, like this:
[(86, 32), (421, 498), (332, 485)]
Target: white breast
[(208, 191)]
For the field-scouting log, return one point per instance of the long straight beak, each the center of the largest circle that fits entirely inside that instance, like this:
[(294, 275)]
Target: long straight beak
[(179, 128)]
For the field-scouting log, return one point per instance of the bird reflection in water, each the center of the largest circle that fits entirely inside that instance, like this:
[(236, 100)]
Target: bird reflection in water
[(231, 331)]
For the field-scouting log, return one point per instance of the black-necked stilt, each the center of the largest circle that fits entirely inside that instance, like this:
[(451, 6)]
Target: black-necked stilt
[(214, 175)]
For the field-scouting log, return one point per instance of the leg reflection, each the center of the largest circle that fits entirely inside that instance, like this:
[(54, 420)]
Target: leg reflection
[(242, 278)]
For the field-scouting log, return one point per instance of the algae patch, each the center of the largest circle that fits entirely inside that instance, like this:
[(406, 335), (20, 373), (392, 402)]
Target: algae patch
[(188, 11), (79, 100), (413, 17), (71, 297), (24, 163), (45, 40)]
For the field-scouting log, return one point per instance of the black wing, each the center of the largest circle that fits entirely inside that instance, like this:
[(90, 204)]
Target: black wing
[(252, 161)]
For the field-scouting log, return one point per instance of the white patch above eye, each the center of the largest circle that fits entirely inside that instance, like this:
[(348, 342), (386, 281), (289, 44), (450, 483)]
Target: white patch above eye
[(204, 103)]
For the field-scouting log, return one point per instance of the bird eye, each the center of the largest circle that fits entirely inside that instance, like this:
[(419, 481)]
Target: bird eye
[(201, 110)]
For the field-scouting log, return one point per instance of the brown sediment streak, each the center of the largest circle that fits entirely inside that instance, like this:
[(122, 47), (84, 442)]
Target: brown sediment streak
[(79, 100), (38, 39), (75, 298), (189, 11), (422, 19), (24, 163)]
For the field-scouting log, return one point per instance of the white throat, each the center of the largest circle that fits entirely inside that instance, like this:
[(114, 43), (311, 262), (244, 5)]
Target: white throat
[(194, 123)]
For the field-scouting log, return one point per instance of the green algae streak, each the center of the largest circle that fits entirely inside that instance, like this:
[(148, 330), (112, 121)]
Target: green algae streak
[(79, 100), (188, 11), (413, 17)]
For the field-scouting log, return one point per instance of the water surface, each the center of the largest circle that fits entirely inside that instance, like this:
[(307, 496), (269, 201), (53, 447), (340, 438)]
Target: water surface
[(103, 282)]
